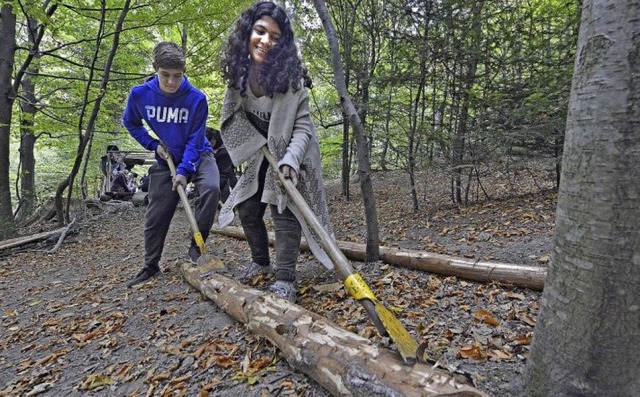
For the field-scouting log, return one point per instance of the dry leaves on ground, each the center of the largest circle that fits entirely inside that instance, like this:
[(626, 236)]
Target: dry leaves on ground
[(70, 327)]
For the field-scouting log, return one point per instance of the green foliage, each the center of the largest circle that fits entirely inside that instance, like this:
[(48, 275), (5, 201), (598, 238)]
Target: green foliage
[(63, 83), (331, 148), (408, 65)]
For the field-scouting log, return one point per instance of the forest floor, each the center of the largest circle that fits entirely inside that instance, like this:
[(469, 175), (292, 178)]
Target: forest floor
[(70, 327)]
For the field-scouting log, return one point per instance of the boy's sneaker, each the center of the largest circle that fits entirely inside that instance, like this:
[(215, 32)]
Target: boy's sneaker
[(255, 270), (284, 289), (144, 275), (194, 254)]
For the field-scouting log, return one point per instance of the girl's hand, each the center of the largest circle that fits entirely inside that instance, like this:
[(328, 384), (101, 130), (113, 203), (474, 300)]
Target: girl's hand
[(289, 173)]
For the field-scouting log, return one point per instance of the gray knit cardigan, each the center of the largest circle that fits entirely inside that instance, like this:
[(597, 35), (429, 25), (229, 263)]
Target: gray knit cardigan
[(293, 141)]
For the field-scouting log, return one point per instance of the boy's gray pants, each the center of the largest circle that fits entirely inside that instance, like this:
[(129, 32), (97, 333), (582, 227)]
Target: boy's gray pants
[(163, 202)]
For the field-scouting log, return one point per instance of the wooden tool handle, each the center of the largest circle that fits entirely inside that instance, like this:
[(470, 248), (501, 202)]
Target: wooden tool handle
[(185, 204), (328, 243)]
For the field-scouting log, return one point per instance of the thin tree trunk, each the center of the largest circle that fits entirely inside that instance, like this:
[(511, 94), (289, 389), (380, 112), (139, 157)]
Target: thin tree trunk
[(588, 331), (28, 137), (531, 277), (364, 166), (467, 84), (19, 241), (346, 163), (63, 215)]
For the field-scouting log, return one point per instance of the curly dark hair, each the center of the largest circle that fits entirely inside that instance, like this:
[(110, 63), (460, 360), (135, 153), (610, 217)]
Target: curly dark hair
[(282, 68)]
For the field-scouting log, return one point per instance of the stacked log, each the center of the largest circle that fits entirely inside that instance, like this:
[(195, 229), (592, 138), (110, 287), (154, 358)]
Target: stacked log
[(531, 277)]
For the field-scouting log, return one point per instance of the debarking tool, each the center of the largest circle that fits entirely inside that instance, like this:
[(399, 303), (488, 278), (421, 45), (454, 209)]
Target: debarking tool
[(206, 264), (382, 318)]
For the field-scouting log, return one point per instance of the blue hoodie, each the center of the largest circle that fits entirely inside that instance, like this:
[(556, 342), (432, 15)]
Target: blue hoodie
[(178, 119)]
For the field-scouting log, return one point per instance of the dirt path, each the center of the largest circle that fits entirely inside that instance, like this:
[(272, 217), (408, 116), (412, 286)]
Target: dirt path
[(69, 325)]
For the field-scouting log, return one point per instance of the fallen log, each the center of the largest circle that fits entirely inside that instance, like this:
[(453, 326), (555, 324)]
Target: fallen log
[(18, 241), (519, 275), (344, 363)]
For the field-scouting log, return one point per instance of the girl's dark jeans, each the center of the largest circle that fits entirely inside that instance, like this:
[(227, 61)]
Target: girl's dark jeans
[(287, 232)]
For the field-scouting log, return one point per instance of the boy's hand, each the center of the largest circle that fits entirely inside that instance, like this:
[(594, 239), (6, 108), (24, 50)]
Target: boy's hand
[(162, 152), (179, 180), (289, 173)]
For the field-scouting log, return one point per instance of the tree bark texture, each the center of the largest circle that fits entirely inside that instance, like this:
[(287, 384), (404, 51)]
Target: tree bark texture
[(7, 97), (27, 134), (342, 362), (520, 275), (588, 330)]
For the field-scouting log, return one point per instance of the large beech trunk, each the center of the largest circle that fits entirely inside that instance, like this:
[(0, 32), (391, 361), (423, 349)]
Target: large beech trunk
[(519, 275), (342, 362)]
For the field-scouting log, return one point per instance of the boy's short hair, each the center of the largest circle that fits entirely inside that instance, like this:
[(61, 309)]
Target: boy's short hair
[(168, 55)]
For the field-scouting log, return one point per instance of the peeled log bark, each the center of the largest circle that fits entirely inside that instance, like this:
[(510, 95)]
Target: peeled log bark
[(344, 363), (519, 275)]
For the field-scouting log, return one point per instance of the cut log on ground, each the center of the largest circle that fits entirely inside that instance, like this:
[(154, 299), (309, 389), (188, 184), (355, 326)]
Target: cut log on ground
[(344, 363), (519, 275), (18, 241)]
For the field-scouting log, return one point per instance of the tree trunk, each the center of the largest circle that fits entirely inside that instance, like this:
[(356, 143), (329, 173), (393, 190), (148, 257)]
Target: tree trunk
[(468, 81), (346, 159), (63, 216), (342, 362), (7, 97), (8, 90), (28, 136), (588, 330), (364, 166), (519, 275)]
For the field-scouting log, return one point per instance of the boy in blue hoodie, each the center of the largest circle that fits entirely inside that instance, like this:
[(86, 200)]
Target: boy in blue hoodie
[(176, 112)]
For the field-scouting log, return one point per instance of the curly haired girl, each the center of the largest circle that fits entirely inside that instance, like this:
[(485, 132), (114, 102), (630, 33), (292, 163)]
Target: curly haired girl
[(267, 103)]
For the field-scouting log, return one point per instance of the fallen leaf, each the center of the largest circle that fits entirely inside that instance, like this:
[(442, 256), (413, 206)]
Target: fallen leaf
[(161, 376), (95, 381), (328, 287), (523, 340), (526, 318), (499, 354), (474, 352), (486, 317), (513, 295)]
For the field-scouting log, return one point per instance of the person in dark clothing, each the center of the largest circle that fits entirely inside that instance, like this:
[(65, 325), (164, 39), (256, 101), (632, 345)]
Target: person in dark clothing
[(144, 183), (119, 181), (228, 177)]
